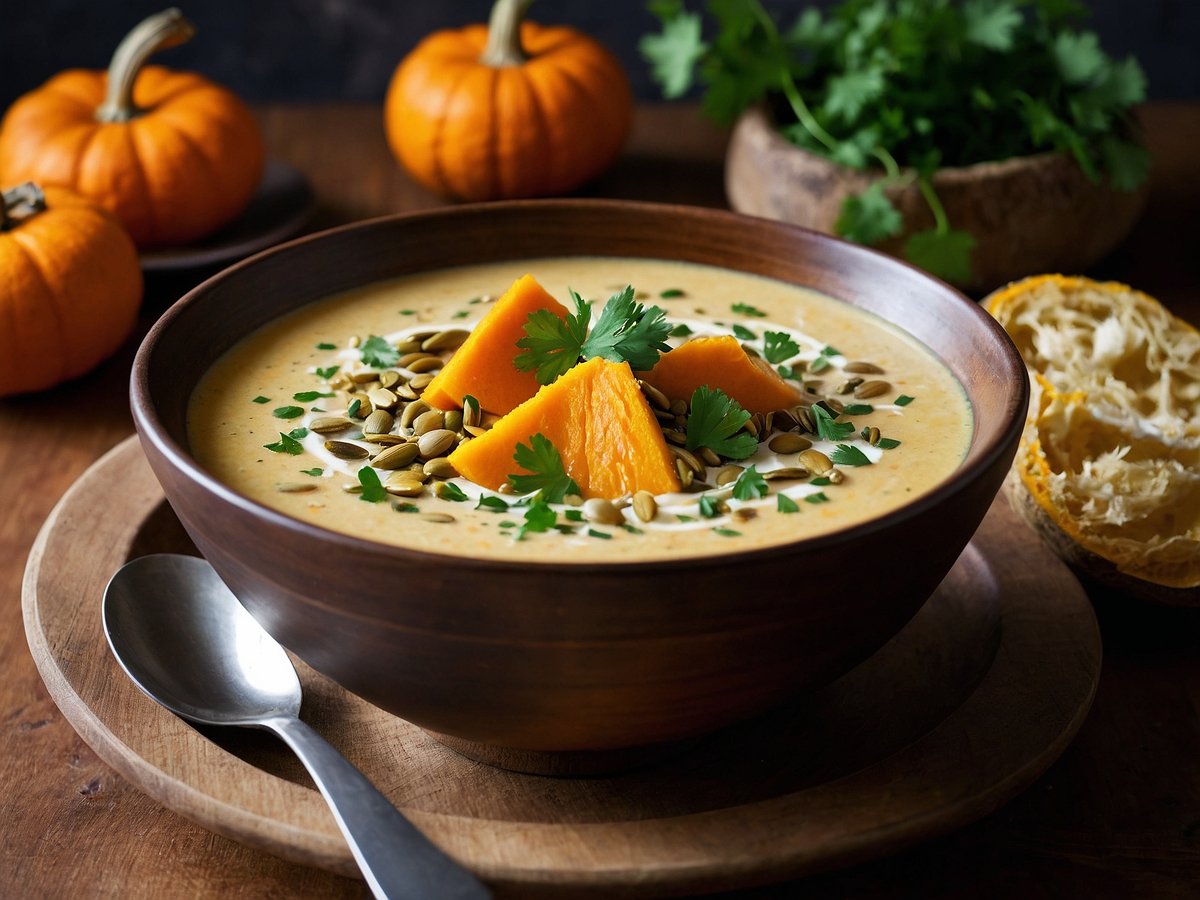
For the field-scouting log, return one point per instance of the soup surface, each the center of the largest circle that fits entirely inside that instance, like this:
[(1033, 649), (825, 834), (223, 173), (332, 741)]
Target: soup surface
[(251, 420)]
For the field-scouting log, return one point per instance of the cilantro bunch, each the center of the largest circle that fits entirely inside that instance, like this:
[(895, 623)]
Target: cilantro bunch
[(909, 86)]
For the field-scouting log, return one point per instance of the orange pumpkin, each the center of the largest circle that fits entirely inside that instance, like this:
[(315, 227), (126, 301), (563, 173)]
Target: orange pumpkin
[(172, 155), (513, 109), (71, 287)]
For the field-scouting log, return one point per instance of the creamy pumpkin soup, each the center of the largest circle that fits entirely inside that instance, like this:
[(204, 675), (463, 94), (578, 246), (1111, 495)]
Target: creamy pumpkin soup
[(787, 415)]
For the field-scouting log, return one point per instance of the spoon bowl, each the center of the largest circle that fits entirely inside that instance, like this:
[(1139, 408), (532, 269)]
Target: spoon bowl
[(186, 641)]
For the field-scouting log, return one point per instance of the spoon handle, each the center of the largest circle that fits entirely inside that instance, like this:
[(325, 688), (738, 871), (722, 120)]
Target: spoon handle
[(397, 860)]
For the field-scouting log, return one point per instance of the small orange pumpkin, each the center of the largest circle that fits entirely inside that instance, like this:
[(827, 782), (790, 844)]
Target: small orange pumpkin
[(71, 287), (172, 155), (513, 109)]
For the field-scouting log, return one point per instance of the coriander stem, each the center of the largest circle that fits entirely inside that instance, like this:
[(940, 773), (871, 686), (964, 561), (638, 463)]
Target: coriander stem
[(941, 224), (889, 163)]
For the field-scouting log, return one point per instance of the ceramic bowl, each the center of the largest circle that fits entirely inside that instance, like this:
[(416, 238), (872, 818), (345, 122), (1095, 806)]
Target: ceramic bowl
[(562, 666), (1028, 214)]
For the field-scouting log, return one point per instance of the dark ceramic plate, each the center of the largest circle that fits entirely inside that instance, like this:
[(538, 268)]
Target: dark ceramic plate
[(281, 206)]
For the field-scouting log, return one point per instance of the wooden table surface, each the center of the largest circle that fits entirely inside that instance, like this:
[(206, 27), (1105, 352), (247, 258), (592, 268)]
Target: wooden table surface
[(1117, 816)]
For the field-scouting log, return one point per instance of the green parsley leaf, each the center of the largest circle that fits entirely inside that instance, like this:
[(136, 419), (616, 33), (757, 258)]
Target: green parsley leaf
[(1078, 56), (261, 399), (749, 485), (286, 444), (857, 409), (552, 345), (573, 515), (727, 532), (785, 371), (671, 293), (778, 346), (822, 481), (309, 396), (326, 346), (828, 351), (991, 23), (287, 412), (632, 529), (674, 53), (378, 353), (495, 504), (679, 517), (888, 443), (353, 408), (820, 364), (372, 488), (715, 422), (539, 517), (828, 428), (327, 373), (461, 314), (403, 506), (849, 93), (542, 459), (447, 490), (869, 217), (679, 330), (741, 332), (408, 312), (818, 497), (786, 504), (849, 455), (903, 400), (314, 472), (592, 532), (710, 506), (745, 309)]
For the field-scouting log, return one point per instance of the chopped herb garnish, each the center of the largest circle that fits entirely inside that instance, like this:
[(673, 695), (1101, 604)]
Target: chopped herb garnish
[(539, 517), (887, 443), (727, 532), (785, 371), (632, 529), (818, 497), (858, 409), (372, 488), (405, 506), (378, 353), (461, 314), (573, 515), (287, 412), (310, 396), (328, 372), (286, 444), (493, 503), (716, 422), (547, 475), (786, 504), (849, 455), (679, 330), (749, 485), (822, 481), (709, 506), (904, 400), (353, 408), (671, 293), (261, 399), (742, 333), (324, 345), (508, 524), (820, 364), (604, 535), (682, 518), (449, 491), (408, 312), (828, 429), (315, 473), (745, 309), (828, 351), (625, 331), (470, 404), (778, 346)]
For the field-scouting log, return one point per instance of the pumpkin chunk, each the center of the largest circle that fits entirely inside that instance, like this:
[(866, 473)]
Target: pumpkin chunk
[(599, 421), (483, 365), (720, 362)]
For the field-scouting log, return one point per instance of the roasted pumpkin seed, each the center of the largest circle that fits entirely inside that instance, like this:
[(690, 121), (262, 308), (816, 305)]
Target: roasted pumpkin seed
[(439, 467), (657, 398), (346, 450), (449, 339), (411, 411), (869, 389), (419, 382), (645, 507), (862, 367), (428, 421), (788, 443), (328, 424), (395, 457), (439, 517), (296, 487), (424, 365), (378, 422), (728, 475), (787, 473), (815, 461), (602, 511), (436, 442)]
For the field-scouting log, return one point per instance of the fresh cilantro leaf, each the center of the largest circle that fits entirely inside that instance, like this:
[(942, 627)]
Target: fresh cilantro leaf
[(372, 489), (991, 23), (408, 312), (539, 517), (742, 333), (542, 459), (887, 443), (944, 254), (573, 515), (847, 94), (449, 491), (903, 400), (378, 353), (353, 409), (820, 364), (818, 497), (261, 399), (461, 314), (858, 409), (403, 506), (679, 517), (287, 412), (286, 444), (828, 428), (710, 506), (869, 217), (673, 54), (313, 472), (1125, 162), (326, 346), (785, 371), (309, 396), (727, 532), (749, 485), (672, 293), (495, 504), (1078, 56), (716, 422), (821, 481), (592, 532), (828, 351), (745, 309), (628, 332), (632, 529), (778, 346), (786, 504), (327, 373), (849, 455), (679, 330)]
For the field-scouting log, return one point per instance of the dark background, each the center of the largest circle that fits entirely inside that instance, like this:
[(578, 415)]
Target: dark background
[(312, 50)]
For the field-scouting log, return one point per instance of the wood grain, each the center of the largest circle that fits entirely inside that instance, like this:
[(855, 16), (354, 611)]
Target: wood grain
[(963, 709), (1117, 816)]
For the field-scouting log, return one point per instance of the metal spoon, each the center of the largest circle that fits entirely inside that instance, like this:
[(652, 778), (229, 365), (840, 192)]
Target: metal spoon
[(185, 640)]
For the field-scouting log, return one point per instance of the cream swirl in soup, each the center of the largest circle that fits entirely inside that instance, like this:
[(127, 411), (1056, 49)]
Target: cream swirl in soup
[(284, 418)]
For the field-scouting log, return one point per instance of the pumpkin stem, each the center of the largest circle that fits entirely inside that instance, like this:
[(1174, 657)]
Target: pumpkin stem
[(157, 32), (20, 203), (504, 34)]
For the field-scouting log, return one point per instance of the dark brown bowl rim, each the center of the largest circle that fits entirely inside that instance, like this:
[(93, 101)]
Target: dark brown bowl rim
[(150, 428)]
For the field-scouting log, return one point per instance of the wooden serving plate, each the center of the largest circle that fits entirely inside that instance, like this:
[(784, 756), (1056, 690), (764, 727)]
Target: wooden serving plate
[(955, 716)]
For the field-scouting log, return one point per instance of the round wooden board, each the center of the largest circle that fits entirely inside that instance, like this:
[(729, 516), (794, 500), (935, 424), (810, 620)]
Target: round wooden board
[(959, 713)]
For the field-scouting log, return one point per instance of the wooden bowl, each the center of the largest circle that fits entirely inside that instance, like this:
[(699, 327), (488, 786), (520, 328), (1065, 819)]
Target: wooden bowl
[(1028, 214), (563, 666)]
